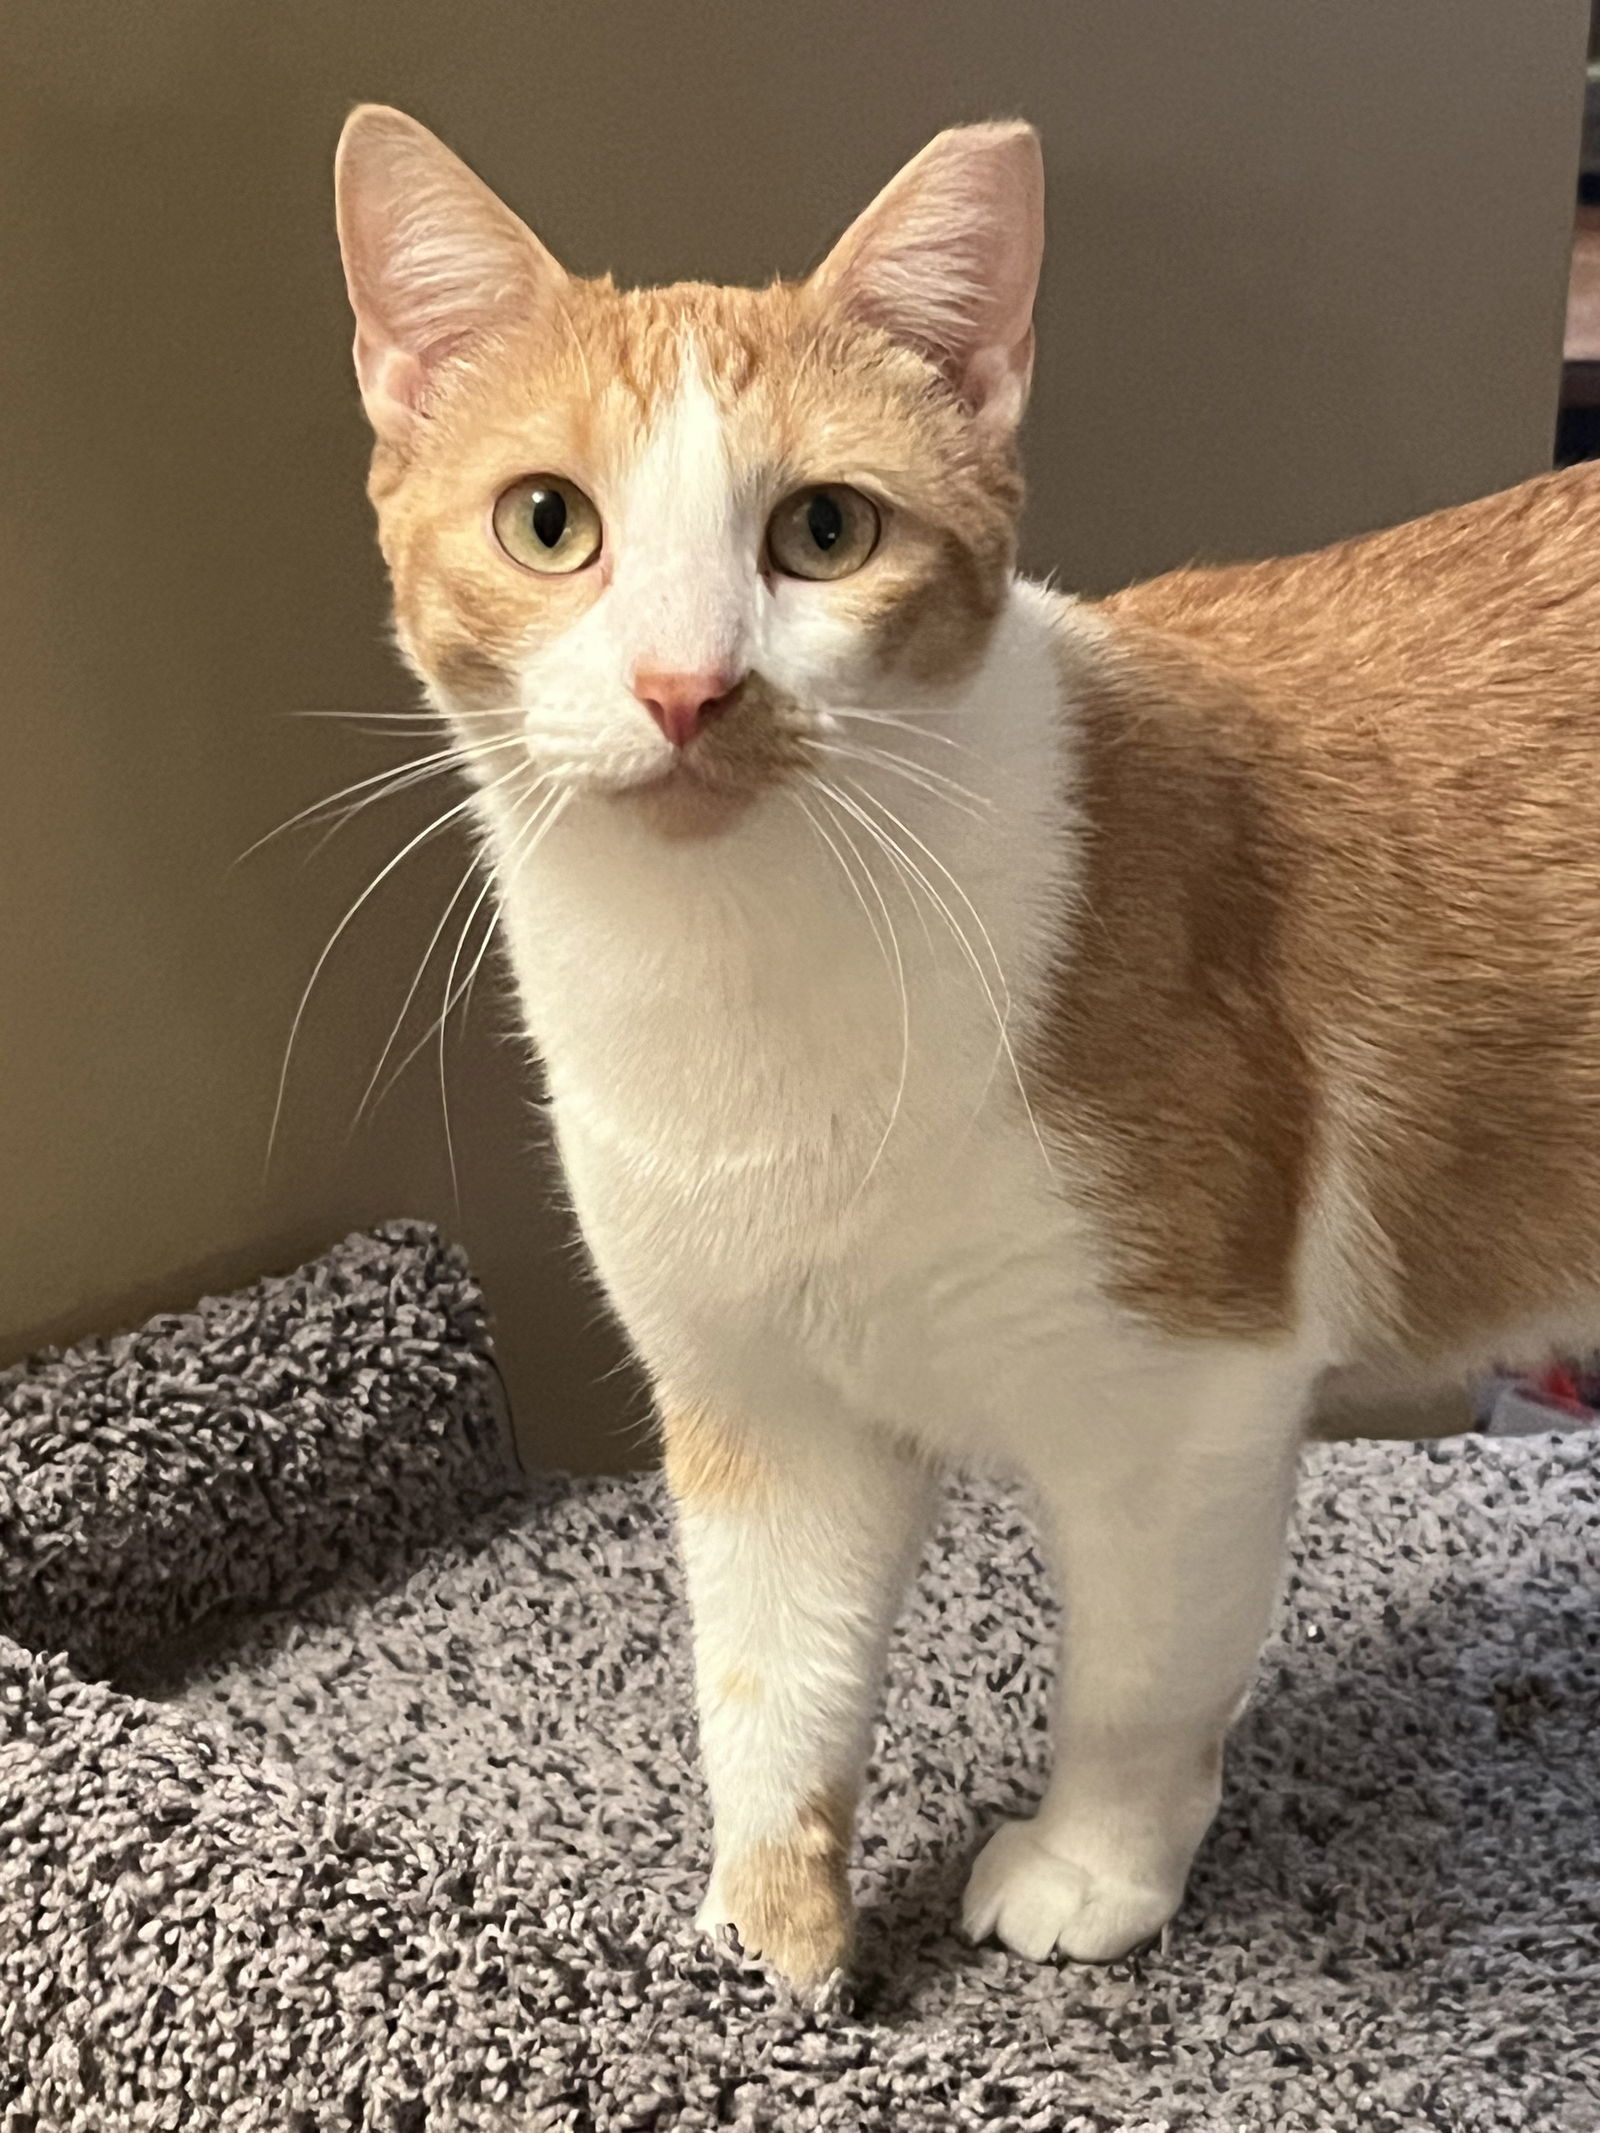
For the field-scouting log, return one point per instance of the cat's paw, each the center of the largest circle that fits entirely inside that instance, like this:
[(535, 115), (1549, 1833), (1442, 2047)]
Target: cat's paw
[(790, 1907), (1039, 1903)]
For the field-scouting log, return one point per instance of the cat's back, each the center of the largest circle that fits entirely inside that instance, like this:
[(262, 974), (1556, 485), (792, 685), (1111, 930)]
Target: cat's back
[(1474, 629)]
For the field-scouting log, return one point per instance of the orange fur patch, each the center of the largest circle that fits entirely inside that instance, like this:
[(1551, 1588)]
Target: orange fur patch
[(790, 1897), (1339, 869), (738, 1685), (711, 1466)]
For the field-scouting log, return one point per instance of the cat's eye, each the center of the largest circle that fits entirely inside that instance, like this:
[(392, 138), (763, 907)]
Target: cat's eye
[(547, 524), (822, 533)]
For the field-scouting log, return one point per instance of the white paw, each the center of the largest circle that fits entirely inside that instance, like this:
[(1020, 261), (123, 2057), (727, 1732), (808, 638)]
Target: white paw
[(1038, 1903)]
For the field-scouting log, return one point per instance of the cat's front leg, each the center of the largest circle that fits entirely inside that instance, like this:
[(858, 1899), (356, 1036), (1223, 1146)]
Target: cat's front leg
[(1167, 1497), (797, 1546)]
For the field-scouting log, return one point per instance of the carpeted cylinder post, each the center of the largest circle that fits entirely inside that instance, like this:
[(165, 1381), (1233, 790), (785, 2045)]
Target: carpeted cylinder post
[(235, 1456)]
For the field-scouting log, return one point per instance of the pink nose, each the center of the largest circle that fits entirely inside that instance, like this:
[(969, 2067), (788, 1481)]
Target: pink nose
[(680, 704)]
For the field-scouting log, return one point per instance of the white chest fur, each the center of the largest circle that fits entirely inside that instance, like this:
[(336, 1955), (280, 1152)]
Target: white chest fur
[(782, 1075)]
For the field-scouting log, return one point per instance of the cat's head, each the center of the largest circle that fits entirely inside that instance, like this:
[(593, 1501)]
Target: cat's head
[(679, 534)]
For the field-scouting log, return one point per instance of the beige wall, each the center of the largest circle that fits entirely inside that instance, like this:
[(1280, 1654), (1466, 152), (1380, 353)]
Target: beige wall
[(1305, 275)]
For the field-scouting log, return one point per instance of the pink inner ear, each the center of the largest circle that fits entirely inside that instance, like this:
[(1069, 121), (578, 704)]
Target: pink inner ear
[(390, 375), (946, 260), (433, 260)]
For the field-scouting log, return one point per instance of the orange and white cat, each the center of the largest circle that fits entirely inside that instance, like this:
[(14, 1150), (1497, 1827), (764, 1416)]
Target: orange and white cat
[(981, 1023)]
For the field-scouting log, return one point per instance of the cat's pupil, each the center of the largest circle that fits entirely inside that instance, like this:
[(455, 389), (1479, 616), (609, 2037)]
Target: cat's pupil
[(824, 521), (549, 516)]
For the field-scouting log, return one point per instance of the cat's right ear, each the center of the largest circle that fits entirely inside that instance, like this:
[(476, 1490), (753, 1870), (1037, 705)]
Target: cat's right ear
[(433, 261)]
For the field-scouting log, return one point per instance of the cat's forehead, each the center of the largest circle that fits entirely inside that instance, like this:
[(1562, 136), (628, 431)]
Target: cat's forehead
[(597, 382), (641, 341)]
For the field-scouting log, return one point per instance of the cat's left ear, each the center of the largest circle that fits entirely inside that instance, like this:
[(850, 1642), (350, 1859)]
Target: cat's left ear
[(434, 262), (946, 260)]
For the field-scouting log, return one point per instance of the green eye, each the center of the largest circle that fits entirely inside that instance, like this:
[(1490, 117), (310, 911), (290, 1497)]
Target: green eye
[(547, 524), (826, 532)]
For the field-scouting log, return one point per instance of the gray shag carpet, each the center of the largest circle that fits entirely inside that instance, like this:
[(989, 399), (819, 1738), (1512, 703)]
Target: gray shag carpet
[(346, 1784)]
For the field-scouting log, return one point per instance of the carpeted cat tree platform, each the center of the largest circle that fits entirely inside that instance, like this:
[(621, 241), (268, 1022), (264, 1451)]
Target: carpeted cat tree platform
[(347, 1782)]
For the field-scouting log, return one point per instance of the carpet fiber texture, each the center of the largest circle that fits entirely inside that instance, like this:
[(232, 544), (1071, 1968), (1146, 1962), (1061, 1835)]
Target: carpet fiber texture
[(341, 1788)]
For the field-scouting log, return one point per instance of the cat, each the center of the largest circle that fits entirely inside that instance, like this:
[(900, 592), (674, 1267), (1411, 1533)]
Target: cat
[(980, 1023)]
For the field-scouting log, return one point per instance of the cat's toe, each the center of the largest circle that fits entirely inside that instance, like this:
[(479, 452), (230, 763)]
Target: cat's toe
[(1040, 1904)]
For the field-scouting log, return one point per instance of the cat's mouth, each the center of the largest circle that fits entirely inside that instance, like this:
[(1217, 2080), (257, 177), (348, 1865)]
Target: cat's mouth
[(696, 793), (705, 785)]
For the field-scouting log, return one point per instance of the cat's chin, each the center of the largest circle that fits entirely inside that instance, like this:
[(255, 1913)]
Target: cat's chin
[(685, 802)]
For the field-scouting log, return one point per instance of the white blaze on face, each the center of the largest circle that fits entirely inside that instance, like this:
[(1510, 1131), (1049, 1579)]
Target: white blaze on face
[(684, 577), (683, 595)]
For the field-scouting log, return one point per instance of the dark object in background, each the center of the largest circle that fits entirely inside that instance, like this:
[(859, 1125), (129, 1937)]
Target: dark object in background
[(1578, 421)]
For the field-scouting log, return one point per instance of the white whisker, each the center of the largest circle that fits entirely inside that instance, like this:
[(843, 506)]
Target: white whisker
[(405, 719), (544, 809), (479, 753), (903, 725), (439, 822), (844, 869), (490, 931), (911, 876), (544, 822), (411, 993), (906, 830), (915, 879), (427, 958), (900, 977), (926, 770), (371, 725), (918, 774), (395, 779), (1000, 1009)]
